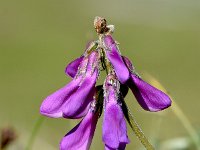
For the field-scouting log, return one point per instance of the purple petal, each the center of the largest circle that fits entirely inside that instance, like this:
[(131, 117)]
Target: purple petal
[(77, 105), (114, 127), (114, 124), (80, 137), (108, 148), (93, 62), (116, 60), (149, 97), (72, 67), (122, 146), (53, 104), (128, 63)]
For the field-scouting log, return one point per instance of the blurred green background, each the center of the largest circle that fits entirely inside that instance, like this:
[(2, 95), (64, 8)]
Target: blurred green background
[(39, 38)]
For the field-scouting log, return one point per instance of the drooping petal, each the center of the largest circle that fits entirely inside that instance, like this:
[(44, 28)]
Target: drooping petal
[(114, 124), (80, 137), (149, 97), (53, 104), (77, 105), (72, 67), (116, 60)]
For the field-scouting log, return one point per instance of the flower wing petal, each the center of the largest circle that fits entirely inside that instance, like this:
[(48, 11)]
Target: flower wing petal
[(149, 97), (53, 104), (80, 137), (77, 105)]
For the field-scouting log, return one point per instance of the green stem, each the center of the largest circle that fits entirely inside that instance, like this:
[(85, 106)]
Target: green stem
[(135, 127), (34, 132)]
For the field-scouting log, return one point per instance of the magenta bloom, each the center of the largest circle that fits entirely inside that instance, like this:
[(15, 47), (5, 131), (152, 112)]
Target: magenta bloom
[(148, 97), (81, 98), (114, 124), (72, 101)]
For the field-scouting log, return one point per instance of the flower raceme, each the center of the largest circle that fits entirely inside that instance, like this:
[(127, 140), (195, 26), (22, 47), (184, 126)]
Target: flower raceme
[(81, 98)]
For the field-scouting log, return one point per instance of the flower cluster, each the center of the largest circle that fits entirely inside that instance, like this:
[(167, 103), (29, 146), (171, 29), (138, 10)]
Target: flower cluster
[(81, 98)]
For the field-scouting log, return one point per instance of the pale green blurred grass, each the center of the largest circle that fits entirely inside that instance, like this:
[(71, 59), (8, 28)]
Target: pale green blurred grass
[(38, 39)]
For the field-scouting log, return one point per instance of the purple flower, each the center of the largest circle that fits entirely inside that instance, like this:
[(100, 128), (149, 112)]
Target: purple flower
[(114, 124), (149, 97), (72, 100), (80, 98)]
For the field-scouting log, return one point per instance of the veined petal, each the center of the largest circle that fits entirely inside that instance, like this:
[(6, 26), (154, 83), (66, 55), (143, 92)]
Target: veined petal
[(72, 67), (114, 124), (77, 105), (53, 104), (116, 60), (80, 137), (149, 97)]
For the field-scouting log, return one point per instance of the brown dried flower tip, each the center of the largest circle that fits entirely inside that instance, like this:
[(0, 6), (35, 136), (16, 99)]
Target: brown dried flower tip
[(7, 136), (100, 25)]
